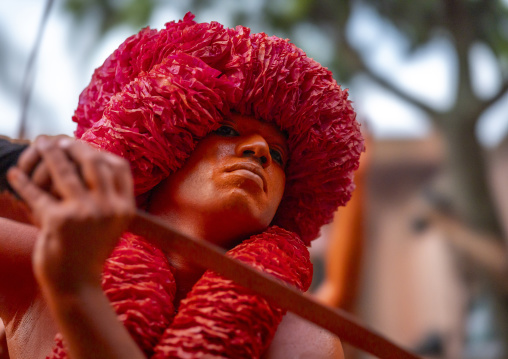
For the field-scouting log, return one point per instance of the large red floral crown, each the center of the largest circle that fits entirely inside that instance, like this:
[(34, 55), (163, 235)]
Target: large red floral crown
[(162, 91)]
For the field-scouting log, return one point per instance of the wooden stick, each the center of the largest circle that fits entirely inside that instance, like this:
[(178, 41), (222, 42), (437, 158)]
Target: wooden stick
[(209, 256)]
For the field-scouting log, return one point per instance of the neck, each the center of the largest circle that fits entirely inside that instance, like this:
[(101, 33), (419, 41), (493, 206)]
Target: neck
[(194, 226), (222, 229)]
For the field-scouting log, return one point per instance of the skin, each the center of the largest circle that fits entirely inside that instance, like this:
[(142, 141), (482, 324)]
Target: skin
[(94, 210), (230, 187), (88, 202)]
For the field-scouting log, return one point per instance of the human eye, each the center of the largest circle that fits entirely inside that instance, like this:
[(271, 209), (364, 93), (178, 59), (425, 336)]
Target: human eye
[(277, 156), (226, 131)]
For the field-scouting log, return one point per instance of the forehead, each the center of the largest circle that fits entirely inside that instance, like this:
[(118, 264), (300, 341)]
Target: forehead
[(249, 123)]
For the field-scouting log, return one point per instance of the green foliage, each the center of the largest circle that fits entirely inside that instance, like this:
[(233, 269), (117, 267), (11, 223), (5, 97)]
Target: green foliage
[(463, 22), (111, 13), (320, 12), (417, 20), (483, 21)]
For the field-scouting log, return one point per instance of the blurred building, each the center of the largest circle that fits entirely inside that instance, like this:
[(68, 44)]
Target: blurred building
[(412, 289)]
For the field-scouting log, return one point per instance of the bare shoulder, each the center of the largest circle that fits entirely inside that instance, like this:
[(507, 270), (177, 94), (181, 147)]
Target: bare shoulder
[(298, 338)]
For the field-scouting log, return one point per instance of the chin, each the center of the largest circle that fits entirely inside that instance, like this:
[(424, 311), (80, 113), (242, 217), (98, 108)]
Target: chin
[(242, 214), (249, 204)]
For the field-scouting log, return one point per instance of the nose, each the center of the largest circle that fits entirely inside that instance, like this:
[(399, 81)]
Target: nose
[(254, 146)]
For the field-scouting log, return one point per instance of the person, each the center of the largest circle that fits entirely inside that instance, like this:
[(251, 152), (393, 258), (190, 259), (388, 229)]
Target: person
[(235, 138)]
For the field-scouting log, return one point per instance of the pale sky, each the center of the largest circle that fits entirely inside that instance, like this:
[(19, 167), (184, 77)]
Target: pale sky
[(64, 70)]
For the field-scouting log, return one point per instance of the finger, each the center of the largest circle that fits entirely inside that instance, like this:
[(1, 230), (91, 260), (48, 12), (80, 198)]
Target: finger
[(100, 175), (42, 179), (36, 198), (63, 171), (41, 176), (124, 183), (95, 170), (102, 170), (29, 158)]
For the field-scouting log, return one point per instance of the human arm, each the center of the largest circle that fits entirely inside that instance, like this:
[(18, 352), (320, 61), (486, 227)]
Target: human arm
[(343, 257), (80, 223)]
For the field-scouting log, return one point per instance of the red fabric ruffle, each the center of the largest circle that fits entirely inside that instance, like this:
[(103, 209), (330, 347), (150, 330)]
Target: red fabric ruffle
[(218, 317)]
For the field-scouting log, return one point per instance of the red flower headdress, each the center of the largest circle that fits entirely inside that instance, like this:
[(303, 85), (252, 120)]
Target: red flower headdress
[(162, 91), (151, 102)]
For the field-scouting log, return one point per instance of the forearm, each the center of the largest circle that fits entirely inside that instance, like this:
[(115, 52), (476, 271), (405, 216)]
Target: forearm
[(89, 324), (344, 254)]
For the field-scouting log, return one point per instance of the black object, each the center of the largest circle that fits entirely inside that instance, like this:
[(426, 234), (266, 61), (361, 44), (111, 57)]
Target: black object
[(9, 154)]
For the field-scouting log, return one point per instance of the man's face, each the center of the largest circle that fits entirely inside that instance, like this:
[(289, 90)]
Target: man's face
[(234, 179)]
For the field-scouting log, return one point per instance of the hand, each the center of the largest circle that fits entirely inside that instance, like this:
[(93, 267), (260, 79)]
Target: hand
[(30, 162), (89, 205)]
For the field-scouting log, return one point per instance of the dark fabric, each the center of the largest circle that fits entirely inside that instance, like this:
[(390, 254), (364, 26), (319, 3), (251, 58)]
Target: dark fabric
[(9, 154)]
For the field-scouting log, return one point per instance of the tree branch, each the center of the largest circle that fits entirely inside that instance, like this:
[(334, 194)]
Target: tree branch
[(362, 65), (502, 91), (433, 114)]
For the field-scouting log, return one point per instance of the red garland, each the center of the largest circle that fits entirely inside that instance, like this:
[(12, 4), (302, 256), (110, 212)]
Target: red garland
[(151, 102), (221, 319), (218, 317)]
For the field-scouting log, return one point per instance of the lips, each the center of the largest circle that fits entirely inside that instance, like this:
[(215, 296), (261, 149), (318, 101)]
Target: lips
[(250, 169)]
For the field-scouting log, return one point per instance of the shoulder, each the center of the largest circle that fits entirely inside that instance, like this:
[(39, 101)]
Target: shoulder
[(298, 338)]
